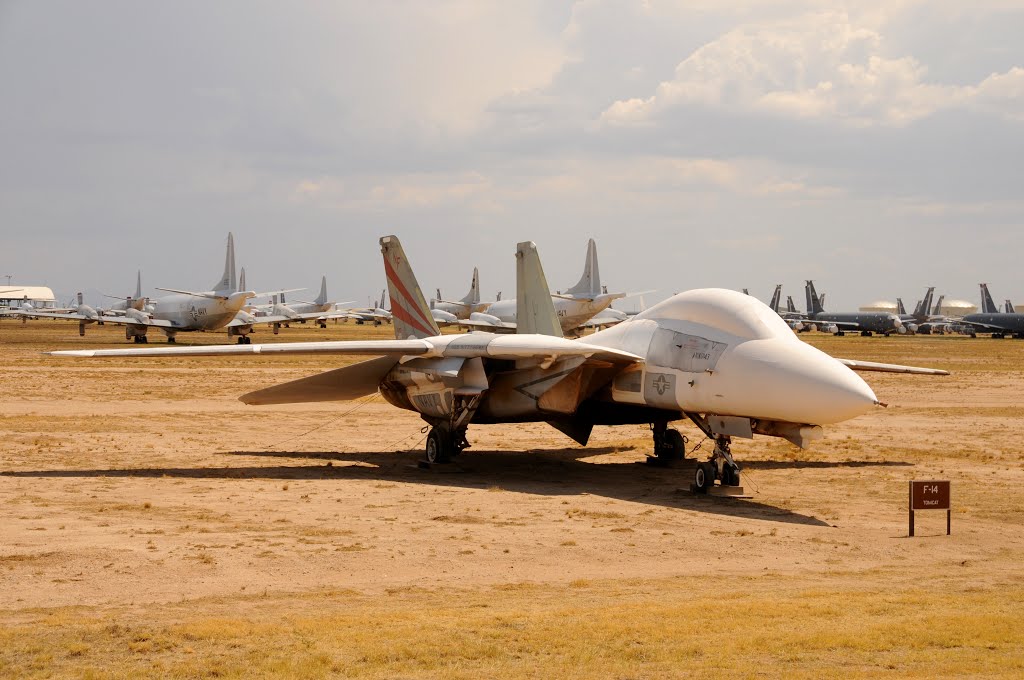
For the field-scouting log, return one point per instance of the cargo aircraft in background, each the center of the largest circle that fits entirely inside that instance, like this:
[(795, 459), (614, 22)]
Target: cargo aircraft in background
[(574, 308), (375, 313), (282, 313), (991, 320), (182, 312), (447, 311), (838, 323), (722, 359)]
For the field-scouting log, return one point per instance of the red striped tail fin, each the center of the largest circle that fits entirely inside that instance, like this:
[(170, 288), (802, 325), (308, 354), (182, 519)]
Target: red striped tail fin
[(409, 309)]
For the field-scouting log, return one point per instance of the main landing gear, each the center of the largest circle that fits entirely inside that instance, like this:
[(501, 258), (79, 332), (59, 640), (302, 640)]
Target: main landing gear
[(669, 445), (244, 340), (447, 438), (443, 444)]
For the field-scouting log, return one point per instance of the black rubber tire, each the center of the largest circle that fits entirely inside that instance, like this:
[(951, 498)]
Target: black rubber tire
[(703, 478), (439, 447), (674, 447)]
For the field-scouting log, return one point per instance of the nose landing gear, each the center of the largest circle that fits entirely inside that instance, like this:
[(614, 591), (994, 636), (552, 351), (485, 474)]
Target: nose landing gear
[(722, 467)]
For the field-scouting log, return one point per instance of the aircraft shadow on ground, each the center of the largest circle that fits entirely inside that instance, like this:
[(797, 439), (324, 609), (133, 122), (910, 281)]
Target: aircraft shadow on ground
[(818, 464), (543, 472)]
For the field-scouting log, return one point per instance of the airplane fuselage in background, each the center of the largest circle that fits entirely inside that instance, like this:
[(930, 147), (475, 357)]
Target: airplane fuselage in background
[(571, 312), (462, 310), (1003, 323), (871, 322), (192, 313)]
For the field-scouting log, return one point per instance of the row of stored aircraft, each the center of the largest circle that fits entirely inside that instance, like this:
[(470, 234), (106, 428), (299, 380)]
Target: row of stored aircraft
[(584, 306), (228, 306), (724, 360), (925, 319)]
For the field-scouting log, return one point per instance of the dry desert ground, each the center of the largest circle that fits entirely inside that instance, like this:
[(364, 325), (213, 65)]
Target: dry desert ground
[(154, 525)]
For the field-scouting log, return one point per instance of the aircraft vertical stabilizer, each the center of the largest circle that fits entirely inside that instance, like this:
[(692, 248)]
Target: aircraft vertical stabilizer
[(241, 279), (138, 285), (473, 297), (226, 285), (776, 298), (1009, 308), (938, 306), (988, 305), (814, 304), (902, 310), (535, 312), (790, 305), (321, 299), (411, 316), (589, 285)]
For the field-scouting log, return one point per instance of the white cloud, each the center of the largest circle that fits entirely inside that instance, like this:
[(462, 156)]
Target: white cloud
[(815, 66)]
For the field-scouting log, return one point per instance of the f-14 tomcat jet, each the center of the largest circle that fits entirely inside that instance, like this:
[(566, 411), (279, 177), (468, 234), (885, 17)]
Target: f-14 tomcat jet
[(722, 359)]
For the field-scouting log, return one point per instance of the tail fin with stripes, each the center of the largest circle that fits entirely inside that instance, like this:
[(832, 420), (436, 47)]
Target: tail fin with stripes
[(411, 315)]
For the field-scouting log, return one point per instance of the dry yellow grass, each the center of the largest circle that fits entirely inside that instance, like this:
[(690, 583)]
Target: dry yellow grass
[(727, 626)]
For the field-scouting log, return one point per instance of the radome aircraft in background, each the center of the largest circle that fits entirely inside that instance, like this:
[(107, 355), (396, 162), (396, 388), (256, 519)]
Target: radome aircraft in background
[(724, 360), (182, 312)]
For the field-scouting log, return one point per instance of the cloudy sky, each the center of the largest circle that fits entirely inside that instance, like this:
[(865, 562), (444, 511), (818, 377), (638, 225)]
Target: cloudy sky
[(874, 147)]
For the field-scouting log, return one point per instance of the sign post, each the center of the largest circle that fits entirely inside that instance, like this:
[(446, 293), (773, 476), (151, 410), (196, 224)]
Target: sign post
[(930, 495)]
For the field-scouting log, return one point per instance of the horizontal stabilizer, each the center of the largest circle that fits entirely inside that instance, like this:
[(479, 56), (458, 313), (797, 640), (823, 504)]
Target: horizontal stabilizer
[(349, 382)]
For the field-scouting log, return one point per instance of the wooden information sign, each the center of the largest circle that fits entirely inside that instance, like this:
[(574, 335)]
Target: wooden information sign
[(929, 495)]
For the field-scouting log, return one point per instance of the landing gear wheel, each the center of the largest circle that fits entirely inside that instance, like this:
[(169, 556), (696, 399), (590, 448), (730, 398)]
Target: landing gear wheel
[(730, 475), (439, 446), (675, 445), (170, 339), (703, 477)]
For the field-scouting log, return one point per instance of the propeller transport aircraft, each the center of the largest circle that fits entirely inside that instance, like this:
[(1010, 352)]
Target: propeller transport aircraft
[(184, 311), (447, 311), (574, 309), (722, 359)]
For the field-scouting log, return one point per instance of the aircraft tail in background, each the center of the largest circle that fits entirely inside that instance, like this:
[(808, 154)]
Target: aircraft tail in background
[(589, 285), (790, 305), (902, 310), (1009, 308), (321, 299), (227, 284), (409, 309), (815, 304), (776, 298), (938, 306), (535, 311), (988, 306), (473, 297)]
